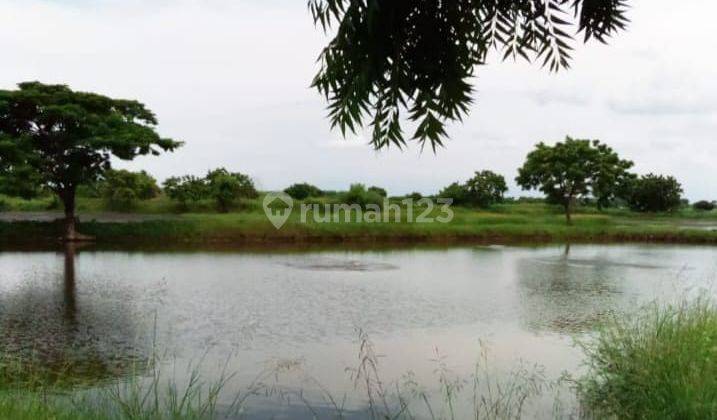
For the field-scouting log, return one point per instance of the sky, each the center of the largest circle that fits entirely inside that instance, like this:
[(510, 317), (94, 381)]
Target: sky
[(231, 79)]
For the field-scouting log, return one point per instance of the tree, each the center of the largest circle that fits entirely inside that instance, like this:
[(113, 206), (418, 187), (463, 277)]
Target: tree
[(418, 56), (227, 187), (186, 188), (121, 188), (704, 205), (653, 193), (67, 138), (573, 169), (612, 177), (456, 192), (358, 194), (486, 188), (303, 191), (378, 190)]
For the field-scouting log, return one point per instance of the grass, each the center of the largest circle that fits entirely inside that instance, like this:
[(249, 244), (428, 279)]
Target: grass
[(661, 363), (150, 396), (247, 224)]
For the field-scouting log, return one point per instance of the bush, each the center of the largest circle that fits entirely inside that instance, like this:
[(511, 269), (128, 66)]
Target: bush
[(704, 205), (4, 206), (652, 193), (303, 191), (358, 194), (227, 187), (185, 189), (456, 192), (224, 187), (122, 199), (486, 188), (121, 189), (89, 190), (378, 190), (415, 196), (661, 363)]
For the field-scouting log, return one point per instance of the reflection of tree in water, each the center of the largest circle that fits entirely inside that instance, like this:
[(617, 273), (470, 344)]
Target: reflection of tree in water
[(53, 334), (565, 295)]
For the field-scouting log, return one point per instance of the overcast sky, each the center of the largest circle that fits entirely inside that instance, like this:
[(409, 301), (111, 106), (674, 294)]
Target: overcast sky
[(230, 78)]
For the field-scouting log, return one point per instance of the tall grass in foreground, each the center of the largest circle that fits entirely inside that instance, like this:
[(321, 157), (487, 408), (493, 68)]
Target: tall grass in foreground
[(660, 363), (151, 395)]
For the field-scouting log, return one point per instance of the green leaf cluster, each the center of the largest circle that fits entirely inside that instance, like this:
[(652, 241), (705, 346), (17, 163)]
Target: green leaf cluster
[(414, 59)]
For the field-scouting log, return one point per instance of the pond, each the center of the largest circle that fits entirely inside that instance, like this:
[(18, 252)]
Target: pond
[(301, 315)]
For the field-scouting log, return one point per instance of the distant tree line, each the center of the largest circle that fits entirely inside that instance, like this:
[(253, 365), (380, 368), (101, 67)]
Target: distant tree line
[(58, 141)]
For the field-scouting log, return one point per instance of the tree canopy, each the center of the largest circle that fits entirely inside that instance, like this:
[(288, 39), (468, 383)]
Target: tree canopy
[(303, 190), (654, 193), (574, 168), (486, 188), (66, 138), (417, 56), (483, 190)]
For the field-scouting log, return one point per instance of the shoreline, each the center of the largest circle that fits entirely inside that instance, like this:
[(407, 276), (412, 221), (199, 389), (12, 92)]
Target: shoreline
[(193, 235)]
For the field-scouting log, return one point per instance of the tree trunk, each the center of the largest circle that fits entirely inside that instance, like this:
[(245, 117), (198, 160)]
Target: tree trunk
[(70, 232), (68, 201), (568, 210)]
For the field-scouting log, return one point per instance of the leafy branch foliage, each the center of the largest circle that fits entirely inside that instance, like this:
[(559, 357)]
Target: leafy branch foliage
[(417, 56)]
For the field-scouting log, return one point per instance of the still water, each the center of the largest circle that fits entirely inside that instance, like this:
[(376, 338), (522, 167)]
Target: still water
[(95, 313)]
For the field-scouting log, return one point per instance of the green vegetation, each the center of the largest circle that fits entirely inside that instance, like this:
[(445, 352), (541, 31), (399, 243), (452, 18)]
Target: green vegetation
[(121, 189), (378, 190), (223, 187), (227, 187), (652, 193), (575, 169), (62, 139), (704, 205), (386, 57), (137, 398), (661, 363), (483, 190), (532, 220), (184, 190), (486, 394), (303, 191), (365, 198)]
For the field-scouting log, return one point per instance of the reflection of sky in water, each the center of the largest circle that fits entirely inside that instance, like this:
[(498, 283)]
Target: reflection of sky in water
[(525, 303)]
